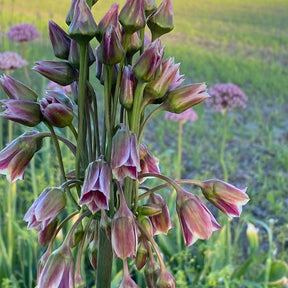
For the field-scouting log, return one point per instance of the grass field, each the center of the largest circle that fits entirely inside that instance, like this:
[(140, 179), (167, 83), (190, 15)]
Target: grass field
[(240, 41)]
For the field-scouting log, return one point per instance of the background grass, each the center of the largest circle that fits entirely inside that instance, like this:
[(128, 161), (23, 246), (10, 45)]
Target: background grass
[(239, 41)]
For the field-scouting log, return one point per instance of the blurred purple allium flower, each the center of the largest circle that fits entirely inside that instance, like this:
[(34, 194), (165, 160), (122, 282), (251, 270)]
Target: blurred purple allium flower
[(226, 96), (188, 115), (11, 60), (23, 32), (55, 86)]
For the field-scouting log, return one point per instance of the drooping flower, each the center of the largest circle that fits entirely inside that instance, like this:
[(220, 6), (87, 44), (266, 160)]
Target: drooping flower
[(58, 271), (23, 33), (161, 222), (149, 65), (60, 72), (183, 98), (45, 208), (125, 155), (16, 89), (127, 87), (196, 220), (57, 108), (11, 60), (95, 191), (151, 272), (226, 96), (124, 234), (15, 157), (24, 112), (226, 197), (188, 115), (148, 163)]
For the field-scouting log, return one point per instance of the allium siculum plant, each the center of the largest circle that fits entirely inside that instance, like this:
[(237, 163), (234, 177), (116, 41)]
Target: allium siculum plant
[(119, 213)]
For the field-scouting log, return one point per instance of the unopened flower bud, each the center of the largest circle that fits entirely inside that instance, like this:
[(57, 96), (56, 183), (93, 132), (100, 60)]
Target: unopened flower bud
[(110, 18), (141, 255), (124, 236), (149, 209), (24, 112), (146, 223), (161, 222), (151, 272), (132, 16), (127, 88), (16, 89), (181, 99), (57, 108), (161, 21), (93, 253), (82, 27), (134, 44), (148, 66), (47, 233), (76, 236), (60, 41), (149, 7), (252, 235), (165, 280), (110, 50), (58, 71)]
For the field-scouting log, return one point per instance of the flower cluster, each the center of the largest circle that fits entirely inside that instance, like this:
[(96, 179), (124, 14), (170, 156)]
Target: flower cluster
[(117, 214), (23, 33), (11, 60), (226, 96)]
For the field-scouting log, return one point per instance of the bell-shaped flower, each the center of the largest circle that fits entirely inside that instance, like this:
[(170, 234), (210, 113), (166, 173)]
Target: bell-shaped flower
[(226, 197), (95, 191), (60, 41), (57, 108), (149, 65), (60, 72), (127, 87), (196, 220), (165, 280), (15, 157), (111, 17), (45, 208), (110, 50), (17, 90), (58, 271), (125, 155), (161, 21), (181, 99), (161, 222), (157, 88), (24, 112), (132, 16), (82, 27), (124, 234)]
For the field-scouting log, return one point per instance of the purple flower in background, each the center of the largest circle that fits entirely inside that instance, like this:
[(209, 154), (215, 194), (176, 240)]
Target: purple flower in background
[(188, 115), (11, 60), (226, 96), (55, 86), (23, 32)]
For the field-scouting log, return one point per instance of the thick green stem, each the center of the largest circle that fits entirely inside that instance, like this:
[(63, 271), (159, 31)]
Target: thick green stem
[(105, 261), (81, 140)]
